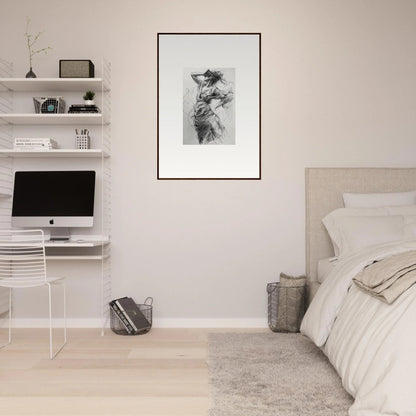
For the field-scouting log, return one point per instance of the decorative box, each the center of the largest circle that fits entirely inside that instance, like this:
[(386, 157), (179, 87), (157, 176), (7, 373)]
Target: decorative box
[(76, 68)]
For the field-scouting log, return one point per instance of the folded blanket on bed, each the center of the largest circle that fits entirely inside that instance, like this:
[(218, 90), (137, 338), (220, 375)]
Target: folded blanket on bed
[(389, 278)]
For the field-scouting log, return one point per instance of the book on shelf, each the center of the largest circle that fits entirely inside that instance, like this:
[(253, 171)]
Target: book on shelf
[(29, 140), (35, 144), (32, 148), (83, 108), (132, 313)]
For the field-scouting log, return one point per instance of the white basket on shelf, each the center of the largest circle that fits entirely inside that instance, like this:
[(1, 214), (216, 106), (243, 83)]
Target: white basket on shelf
[(49, 105)]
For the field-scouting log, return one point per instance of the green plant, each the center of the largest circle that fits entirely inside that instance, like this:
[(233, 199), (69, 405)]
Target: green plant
[(31, 40), (89, 95)]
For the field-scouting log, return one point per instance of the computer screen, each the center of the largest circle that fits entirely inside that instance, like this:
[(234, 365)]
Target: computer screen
[(53, 198)]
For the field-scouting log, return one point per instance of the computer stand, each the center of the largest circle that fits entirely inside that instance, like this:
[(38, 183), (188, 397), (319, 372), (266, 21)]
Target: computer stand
[(60, 234)]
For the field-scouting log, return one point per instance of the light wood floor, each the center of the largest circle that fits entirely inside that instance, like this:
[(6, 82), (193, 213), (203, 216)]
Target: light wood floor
[(158, 374)]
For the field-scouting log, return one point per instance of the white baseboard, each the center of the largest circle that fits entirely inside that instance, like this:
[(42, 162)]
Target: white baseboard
[(44, 323), (157, 323), (210, 323)]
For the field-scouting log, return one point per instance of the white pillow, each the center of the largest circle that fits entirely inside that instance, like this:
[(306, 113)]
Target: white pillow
[(371, 212), (389, 199), (355, 232), (332, 219)]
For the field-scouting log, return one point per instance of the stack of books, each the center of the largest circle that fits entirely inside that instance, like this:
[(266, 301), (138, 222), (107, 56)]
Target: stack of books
[(27, 144), (130, 316), (82, 108)]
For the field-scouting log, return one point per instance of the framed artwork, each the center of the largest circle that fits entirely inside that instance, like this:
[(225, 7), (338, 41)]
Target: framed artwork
[(209, 106)]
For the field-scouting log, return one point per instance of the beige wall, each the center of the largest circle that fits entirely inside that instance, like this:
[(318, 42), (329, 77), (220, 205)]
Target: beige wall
[(339, 89)]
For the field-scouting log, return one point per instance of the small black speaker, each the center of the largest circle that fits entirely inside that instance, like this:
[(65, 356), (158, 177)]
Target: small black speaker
[(76, 68)]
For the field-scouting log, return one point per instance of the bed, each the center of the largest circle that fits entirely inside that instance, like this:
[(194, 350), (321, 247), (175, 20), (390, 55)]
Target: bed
[(371, 344)]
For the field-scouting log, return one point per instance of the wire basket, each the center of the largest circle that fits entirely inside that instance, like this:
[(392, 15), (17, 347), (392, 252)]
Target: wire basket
[(286, 303), (49, 105), (147, 310)]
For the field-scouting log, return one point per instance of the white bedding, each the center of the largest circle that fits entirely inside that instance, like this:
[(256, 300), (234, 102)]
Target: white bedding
[(325, 267), (371, 344)]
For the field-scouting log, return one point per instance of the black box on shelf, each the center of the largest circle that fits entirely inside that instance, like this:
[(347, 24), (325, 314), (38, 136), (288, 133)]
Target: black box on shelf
[(76, 68)]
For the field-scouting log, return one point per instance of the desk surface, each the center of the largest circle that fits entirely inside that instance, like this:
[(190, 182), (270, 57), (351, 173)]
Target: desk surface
[(75, 243), (59, 244)]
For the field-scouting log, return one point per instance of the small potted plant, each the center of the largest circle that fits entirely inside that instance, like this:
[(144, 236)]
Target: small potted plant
[(89, 97)]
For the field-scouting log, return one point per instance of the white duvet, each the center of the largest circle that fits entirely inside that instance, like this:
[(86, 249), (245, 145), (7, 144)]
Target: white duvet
[(370, 343)]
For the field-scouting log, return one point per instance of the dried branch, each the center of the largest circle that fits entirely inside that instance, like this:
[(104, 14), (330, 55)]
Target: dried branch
[(31, 40)]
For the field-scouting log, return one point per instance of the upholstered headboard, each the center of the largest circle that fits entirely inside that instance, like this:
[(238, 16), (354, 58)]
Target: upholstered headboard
[(324, 188)]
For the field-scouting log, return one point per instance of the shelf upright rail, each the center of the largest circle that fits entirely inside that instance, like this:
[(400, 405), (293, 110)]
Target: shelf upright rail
[(106, 192), (6, 164)]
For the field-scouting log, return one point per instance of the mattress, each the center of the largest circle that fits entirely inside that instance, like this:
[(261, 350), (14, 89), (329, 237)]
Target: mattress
[(325, 266)]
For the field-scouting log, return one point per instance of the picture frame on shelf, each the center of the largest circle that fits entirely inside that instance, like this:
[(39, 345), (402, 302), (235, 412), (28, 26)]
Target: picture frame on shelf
[(209, 106)]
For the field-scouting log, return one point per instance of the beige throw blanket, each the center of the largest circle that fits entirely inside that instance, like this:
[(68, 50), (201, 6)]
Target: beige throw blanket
[(389, 278)]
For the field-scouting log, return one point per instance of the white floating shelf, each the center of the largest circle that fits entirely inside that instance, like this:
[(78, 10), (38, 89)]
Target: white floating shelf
[(51, 84), (52, 119), (77, 153)]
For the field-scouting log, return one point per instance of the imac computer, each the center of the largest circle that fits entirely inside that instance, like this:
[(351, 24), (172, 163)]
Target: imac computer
[(54, 199)]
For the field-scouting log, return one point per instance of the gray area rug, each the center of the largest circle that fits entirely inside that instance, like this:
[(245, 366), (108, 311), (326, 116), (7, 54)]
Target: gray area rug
[(272, 374)]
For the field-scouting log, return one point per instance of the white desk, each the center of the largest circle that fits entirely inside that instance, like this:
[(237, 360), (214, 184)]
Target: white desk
[(75, 250), (70, 249), (75, 243)]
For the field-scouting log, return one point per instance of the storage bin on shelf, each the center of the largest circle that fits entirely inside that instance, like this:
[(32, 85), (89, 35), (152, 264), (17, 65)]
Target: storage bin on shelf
[(49, 105)]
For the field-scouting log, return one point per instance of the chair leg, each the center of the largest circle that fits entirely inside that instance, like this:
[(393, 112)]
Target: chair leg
[(64, 303), (10, 319), (10, 314), (52, 355)]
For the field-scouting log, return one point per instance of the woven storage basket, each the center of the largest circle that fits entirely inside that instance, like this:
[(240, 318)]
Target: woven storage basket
[(286, 303)]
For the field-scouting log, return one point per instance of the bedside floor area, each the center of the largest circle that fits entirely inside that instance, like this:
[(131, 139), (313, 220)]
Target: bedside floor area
[(158, 374)]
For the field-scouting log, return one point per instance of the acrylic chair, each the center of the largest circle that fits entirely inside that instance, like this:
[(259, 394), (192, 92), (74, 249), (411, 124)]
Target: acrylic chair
[(23, 265)]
